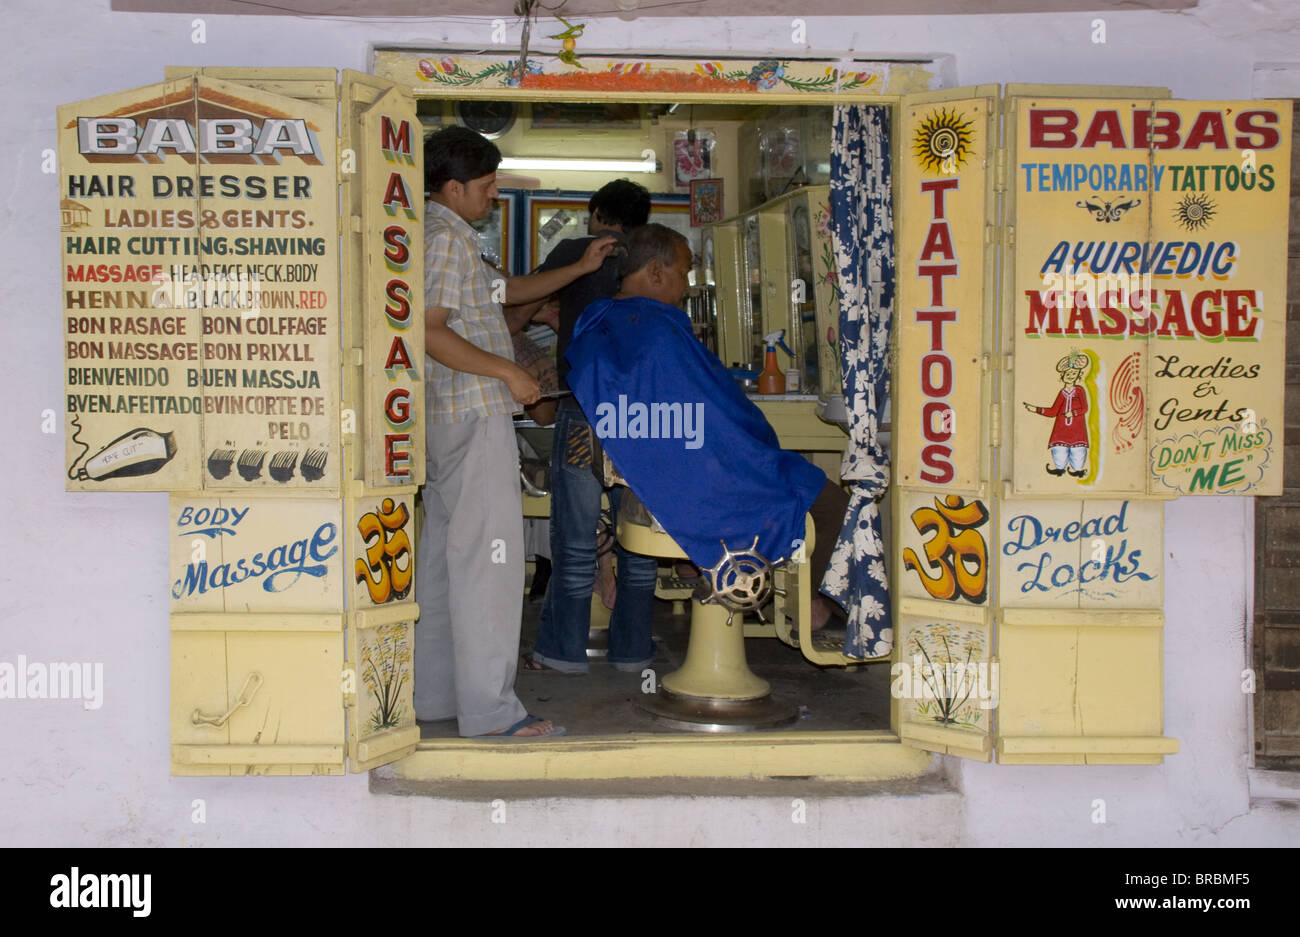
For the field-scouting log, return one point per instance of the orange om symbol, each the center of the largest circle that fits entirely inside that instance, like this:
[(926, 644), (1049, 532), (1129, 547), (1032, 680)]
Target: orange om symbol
[(386, 542), (957, 551)]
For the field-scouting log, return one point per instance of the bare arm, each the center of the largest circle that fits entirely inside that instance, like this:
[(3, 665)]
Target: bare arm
[(534, 286), (448, 348), (543, 412), (518, 317)]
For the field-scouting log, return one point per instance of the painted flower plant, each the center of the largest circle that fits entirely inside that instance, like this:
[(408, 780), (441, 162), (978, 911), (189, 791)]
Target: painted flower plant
[(950, 659), (385, 670)]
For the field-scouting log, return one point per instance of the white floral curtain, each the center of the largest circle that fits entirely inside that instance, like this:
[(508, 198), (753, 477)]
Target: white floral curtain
[(862, 226)]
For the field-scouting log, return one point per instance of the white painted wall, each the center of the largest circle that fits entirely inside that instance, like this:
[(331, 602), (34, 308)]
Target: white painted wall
[(85, 575)]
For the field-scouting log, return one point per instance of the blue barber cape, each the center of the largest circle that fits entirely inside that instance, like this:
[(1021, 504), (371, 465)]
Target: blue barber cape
[(697, 452)]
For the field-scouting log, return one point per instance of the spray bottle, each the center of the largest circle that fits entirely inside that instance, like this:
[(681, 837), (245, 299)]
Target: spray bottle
[(771, 380)]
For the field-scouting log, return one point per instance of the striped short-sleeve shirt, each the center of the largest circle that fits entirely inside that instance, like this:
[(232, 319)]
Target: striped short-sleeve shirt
[(456, 278)]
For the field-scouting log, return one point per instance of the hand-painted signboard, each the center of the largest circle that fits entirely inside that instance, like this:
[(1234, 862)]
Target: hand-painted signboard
[(132, 357), (200, 268), (393, 234), (383, 550), (946, 548), (1150, 296), (256, 555), (1081, 554), (942, 696), (945, 684), (941, 293)]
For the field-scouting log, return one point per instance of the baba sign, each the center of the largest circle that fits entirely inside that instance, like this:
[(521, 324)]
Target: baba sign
[(1150, 296), (200, 289)]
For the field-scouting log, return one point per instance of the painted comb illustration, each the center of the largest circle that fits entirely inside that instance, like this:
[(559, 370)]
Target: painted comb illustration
[(282, 463), (220, 462), (313, 464), (250, 463)]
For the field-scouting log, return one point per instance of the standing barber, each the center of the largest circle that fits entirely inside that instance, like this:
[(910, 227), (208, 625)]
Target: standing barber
[(618, 207), (471, 561)]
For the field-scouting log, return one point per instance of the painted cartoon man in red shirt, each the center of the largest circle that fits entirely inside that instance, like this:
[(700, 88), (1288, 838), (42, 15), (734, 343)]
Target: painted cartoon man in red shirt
[(1069, 440)]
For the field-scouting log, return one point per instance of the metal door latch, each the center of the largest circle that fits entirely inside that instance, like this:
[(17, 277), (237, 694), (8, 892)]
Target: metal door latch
[(252, 684)]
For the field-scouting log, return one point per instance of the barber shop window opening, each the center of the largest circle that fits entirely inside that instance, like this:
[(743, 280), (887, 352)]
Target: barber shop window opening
[(657, 379)]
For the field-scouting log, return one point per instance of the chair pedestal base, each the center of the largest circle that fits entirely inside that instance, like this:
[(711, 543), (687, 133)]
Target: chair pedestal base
[(698, 714), (715, 691)]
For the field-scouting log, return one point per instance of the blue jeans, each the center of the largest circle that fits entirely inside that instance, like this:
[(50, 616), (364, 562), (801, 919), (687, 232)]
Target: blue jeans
[(575, 512)]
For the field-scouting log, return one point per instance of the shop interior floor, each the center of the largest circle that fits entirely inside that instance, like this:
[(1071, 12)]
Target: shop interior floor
[(603, 701)]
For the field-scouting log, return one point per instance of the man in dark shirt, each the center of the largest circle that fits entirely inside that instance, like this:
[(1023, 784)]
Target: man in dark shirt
[(575, 494)]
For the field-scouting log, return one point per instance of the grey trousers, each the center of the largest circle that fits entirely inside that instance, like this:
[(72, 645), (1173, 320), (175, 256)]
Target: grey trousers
[(470, 577)]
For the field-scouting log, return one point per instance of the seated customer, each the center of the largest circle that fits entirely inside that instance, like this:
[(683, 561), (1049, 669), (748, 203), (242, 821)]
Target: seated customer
[(673, 421)]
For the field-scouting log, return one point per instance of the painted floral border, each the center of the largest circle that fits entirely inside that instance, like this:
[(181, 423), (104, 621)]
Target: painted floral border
[(546, 72)]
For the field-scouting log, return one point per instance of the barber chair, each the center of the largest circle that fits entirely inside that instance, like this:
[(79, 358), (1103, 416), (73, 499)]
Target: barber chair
[(714, 690), (792, 611)]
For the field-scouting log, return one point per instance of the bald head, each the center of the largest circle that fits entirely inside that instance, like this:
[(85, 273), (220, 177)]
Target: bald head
[(657, 264)]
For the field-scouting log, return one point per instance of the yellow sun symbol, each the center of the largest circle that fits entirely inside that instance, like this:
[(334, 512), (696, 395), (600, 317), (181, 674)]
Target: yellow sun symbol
[(943, 141), (1194, 211)]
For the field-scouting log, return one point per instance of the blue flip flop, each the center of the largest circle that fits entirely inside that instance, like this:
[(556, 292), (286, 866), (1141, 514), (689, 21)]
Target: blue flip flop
[(511, 734)]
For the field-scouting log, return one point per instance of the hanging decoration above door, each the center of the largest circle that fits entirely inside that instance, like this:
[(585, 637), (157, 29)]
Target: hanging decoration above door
[(569, 42)]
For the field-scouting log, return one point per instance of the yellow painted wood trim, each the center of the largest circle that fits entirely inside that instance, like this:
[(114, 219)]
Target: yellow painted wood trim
[(948, 611), (1085, 745), (949, 738), (385, 614), (1009, 493), (651, 97), (238, 72), (356, 488), (254, 494), (973, 754), (304, 84), (1081, 618), (385, 744), (277, 622), (1080, 760), (895, 78), (991, 92), (856, 756), (1084, 91), (257, 754)]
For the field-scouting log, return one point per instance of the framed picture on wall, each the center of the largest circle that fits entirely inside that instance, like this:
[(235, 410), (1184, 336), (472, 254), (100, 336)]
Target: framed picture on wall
[(552, 217), (692, 156), (498, 242), (706, 201), (496, 233)]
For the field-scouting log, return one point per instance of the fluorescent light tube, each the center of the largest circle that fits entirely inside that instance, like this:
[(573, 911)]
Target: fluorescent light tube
[(647, 163)]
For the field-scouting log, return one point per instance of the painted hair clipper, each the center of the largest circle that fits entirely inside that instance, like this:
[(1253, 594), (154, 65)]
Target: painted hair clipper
[(139, 452)]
